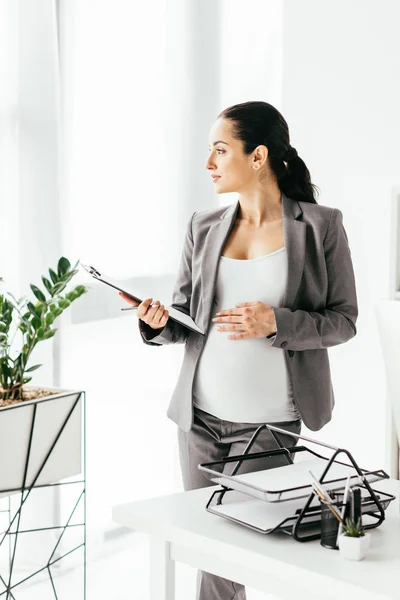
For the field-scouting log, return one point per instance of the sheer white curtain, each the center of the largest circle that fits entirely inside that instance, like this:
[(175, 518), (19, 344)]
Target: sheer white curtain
[(9, 238), (117, 214), (30, 144)]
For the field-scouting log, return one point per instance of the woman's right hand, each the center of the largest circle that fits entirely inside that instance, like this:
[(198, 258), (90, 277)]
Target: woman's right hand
[(155, 316)]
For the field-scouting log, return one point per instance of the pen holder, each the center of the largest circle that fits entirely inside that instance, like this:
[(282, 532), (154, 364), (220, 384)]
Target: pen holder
[(329, 523)]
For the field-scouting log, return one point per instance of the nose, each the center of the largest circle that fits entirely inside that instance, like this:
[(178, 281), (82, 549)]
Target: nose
[(209, 164)]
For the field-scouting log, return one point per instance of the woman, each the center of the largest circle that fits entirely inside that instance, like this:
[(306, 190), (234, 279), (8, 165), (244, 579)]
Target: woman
[(270, 280)]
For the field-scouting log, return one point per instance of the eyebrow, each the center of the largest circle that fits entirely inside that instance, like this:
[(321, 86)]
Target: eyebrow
[(219, 142)]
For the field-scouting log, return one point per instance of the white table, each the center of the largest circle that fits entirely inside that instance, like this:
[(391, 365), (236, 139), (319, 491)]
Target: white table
[(182, 530)]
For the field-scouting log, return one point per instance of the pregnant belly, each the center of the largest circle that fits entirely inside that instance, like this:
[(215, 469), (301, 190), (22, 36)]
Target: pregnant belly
[(240, 367)]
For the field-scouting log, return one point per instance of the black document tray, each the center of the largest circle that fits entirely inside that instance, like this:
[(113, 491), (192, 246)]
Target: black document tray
[(267, 501)]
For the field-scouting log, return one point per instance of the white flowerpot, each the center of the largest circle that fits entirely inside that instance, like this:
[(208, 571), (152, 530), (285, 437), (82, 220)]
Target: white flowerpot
[(40, 440), (354, 548)]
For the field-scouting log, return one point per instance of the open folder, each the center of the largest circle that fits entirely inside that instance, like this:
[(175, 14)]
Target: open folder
[(174, 314)]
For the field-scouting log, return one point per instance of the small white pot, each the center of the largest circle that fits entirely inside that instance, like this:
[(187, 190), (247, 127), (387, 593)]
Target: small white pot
[(354, 548)]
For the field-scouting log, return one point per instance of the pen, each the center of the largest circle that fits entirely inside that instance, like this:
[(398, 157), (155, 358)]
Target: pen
[(324, 500), (130, 308), (325, 497), (320, 486), (345, 499)]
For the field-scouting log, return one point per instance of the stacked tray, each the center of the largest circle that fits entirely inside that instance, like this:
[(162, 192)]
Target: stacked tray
[(281, 516), (282, 498)]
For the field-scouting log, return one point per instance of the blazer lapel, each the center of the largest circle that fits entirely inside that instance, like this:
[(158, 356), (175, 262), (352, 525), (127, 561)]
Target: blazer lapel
[(214, 244), (294, 233)]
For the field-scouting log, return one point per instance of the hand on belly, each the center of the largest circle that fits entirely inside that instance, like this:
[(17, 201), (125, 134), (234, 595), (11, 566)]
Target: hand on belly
[(253, 319)]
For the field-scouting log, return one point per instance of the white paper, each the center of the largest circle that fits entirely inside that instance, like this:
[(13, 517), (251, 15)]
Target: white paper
[(260, 514), (296, 475), (265, 484), (183, 318)]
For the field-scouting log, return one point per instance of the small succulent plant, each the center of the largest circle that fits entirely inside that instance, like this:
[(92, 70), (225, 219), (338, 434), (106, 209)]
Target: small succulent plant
[(353, 528)]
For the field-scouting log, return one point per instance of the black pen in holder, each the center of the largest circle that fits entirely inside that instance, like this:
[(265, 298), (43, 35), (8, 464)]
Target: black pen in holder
[(329, 523)]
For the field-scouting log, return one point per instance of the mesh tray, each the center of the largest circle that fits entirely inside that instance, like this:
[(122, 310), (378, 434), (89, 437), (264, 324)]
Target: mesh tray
[(266, 518), (288, 482)]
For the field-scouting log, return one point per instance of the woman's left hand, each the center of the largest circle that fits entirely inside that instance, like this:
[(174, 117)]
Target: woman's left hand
[(254, 319)]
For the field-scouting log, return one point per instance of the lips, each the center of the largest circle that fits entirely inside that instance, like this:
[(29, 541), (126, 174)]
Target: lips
[(214, 177)]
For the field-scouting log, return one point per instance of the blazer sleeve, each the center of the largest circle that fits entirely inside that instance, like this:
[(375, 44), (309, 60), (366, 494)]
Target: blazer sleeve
[(336, 324), (173, 332)]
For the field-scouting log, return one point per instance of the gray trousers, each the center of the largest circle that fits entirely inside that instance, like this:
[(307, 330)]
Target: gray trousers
[(212, 439)]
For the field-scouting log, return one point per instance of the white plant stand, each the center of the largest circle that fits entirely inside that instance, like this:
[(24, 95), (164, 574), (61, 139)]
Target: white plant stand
[(43, 441)]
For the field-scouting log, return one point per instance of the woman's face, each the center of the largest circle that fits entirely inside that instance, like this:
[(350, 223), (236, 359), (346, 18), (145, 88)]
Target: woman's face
[(233, 170)]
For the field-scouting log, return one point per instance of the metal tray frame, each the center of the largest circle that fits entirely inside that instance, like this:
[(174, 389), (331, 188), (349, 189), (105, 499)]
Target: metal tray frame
[(298, 526)]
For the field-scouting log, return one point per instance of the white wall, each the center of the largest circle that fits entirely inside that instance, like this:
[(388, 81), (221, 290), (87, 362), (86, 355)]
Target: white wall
[(341, 93)]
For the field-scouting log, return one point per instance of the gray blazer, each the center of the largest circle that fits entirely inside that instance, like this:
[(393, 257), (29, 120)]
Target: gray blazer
[(319, 308)]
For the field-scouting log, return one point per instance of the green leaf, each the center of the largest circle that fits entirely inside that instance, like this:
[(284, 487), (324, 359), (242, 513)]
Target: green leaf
[(81, 289), (32, 308), (36, 322), (32, 368), (64, 303), (38, 308), (27, 380), (53, 275), (26, 322), (63, 266), (352, 528), (58, 287), (49, 334), (47, 284), (39, 294), (50, 317), (5, 369)]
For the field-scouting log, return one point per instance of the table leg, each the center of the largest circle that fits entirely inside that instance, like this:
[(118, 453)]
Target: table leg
[(162, 570)]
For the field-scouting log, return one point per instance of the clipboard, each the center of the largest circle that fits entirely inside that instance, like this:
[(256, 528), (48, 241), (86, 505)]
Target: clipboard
[(174, 314)]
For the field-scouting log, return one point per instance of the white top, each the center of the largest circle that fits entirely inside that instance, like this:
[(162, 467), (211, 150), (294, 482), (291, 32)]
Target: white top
[(245, 381)]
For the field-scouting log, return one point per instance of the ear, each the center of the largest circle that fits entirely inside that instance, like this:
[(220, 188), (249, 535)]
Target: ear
[(260, 156)]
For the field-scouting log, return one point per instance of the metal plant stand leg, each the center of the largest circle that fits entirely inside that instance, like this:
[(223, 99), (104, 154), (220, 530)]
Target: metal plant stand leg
[(9, 580)]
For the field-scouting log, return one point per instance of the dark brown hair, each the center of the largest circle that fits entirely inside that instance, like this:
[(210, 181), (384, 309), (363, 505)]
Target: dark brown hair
[(256, 123)]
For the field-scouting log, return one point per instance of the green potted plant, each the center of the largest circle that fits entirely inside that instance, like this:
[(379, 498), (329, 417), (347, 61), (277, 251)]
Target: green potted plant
[(353, 541), (40, 428)]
